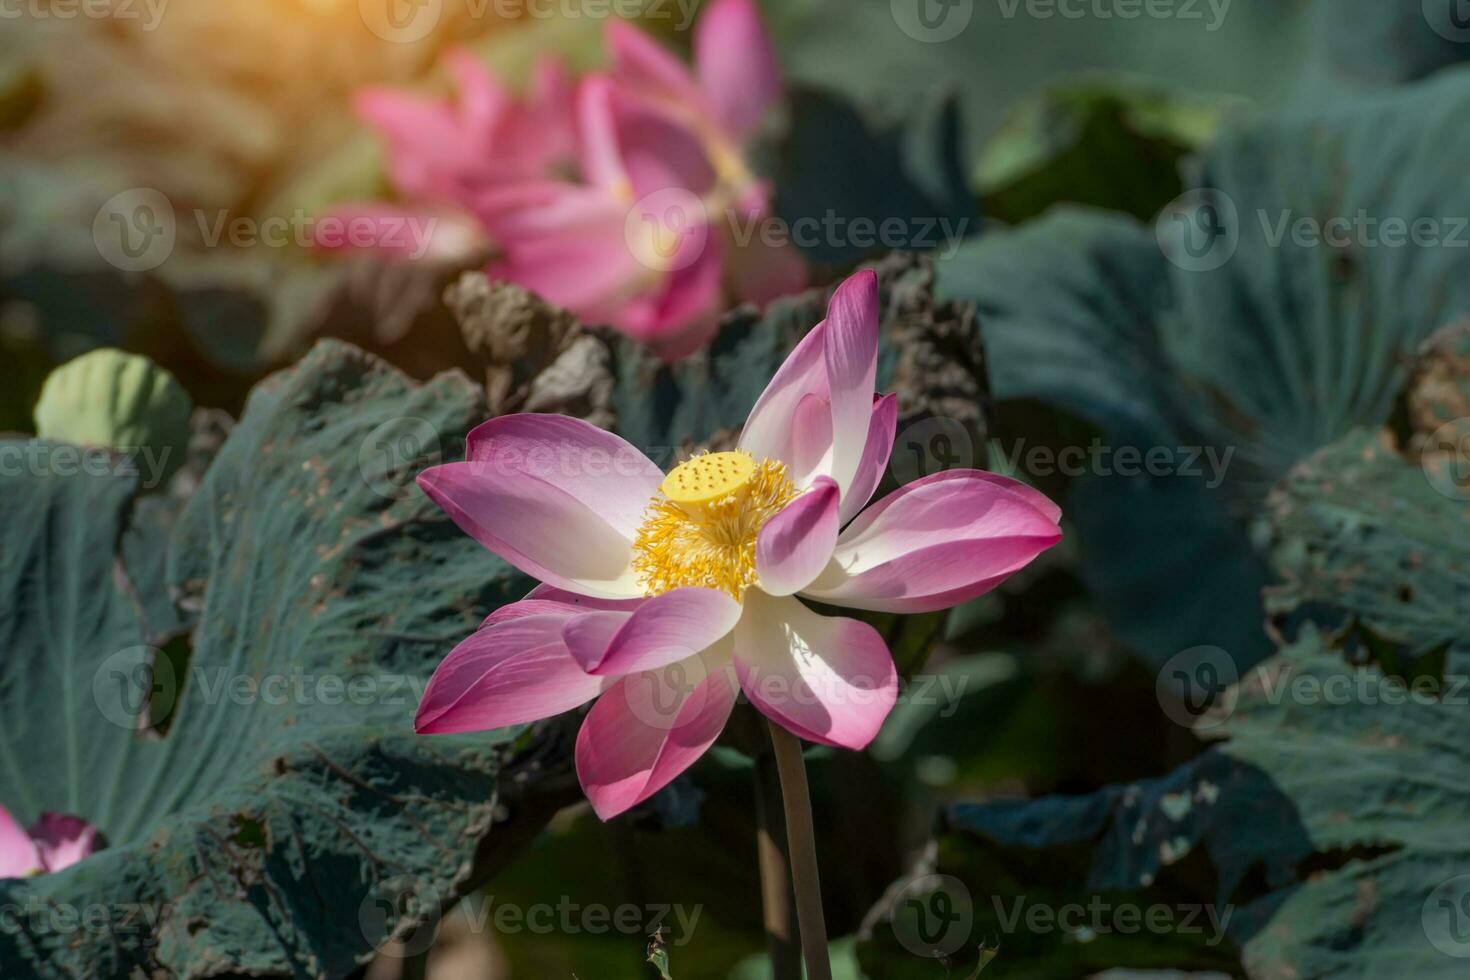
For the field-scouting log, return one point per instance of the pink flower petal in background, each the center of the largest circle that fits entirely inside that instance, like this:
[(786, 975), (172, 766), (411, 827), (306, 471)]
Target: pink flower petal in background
[(19, 855), (440, 148), (739, 75), (54, 842), (63, 840), (647, 67)]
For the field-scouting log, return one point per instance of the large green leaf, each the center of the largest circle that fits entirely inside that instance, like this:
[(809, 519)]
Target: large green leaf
[(1326, 835), (1263, 343), (287, 803), (1329, 822), (1359, 530), (1360, 44), (1106, 141)]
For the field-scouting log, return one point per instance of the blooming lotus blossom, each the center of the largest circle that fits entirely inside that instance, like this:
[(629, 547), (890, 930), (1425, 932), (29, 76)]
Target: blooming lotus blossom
[(54, 842), (619, 197), (664, 597)]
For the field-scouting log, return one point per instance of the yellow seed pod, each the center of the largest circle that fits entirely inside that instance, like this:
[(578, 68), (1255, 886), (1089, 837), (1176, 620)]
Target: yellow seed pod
[(705, 479)]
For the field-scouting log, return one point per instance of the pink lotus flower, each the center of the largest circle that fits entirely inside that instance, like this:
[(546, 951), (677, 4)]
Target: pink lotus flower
[(645, 241), (670, 595), (617, 198), (53, 843)]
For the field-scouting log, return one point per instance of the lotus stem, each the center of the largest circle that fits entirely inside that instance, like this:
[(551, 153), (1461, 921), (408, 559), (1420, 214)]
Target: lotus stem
[(802, 848), (779, 913)]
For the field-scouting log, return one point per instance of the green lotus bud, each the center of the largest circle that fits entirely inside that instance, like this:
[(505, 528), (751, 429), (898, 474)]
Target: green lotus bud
[(120, 401)]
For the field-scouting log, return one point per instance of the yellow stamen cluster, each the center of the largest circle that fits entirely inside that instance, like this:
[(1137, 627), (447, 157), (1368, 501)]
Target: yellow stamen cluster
[(702, 530)]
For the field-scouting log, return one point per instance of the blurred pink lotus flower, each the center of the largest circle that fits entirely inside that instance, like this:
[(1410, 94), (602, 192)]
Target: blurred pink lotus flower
[(617, 197), (666, 596), (54, 842)]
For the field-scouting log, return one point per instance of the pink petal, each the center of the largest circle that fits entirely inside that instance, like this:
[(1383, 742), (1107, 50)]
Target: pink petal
[(19, 855), (739, 75), (809, 442), (643, 64), (600, 469), (881, 430), (660, 152), (843, 347), (570, 245), (675, 317), (63, 840), (509, 672), (482, 98), (650, 727), (851, 354), (829, 680), (768, 432), (937, 542), (583, 603), (796, 544), (663, 630), (539, 528), (601, 153)]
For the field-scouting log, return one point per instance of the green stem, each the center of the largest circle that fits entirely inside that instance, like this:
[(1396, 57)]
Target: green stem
[(802, 845), (777, 909)]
